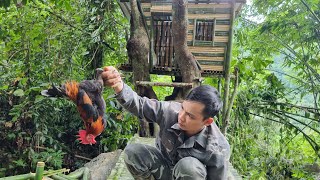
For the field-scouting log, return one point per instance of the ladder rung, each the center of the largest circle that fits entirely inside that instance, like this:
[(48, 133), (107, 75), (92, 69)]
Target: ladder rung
[(172, 84)]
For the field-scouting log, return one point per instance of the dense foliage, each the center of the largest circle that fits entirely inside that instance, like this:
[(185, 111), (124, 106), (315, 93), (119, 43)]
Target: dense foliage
[(274, 130), (44, 42)]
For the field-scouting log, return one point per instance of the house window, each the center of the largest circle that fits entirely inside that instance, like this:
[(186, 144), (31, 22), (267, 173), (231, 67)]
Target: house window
[(163, 42), (204, 30)]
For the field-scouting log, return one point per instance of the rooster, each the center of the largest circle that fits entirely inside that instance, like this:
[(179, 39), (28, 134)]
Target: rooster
[(87, 95)]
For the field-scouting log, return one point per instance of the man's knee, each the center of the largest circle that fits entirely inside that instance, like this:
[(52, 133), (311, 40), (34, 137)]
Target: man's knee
[(133, 149), (137, 161), (189, 168), (133, 153)]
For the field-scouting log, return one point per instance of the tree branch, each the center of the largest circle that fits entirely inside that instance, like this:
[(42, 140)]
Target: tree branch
[(305, 108), (301, 59), (294, 114), (308, 7), (297, 134), (60, 17), (311, 142), (286, 75), (278, 113)]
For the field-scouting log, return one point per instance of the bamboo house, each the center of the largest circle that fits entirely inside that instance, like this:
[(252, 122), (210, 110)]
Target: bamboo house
[(209, 33)]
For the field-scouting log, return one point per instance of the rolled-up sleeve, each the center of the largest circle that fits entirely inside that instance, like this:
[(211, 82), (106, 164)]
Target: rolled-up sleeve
[(142, 107)]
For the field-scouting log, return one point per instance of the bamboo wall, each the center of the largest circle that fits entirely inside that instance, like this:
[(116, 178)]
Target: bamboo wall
[(208, 31)]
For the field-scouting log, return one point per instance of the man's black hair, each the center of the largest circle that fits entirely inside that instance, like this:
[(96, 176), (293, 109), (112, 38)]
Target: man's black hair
[(209, 96)]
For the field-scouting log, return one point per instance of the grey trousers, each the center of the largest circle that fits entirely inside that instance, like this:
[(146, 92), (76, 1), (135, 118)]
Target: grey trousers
[(147, 162)]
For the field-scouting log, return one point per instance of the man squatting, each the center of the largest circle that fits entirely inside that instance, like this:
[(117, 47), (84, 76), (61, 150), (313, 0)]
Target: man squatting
[(189, 145)]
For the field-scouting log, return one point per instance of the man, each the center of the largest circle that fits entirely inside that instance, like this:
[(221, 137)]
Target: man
[(189, 146)]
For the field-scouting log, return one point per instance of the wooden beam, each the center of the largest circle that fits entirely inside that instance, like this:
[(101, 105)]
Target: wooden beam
[(206, 49), (194, 31), (214, 31), (207, 6), (148, 83), (152, 51), (161, 9), (216, 38), (168, 8), (208, 58), (212, 67), (146, 5), (208, 16)]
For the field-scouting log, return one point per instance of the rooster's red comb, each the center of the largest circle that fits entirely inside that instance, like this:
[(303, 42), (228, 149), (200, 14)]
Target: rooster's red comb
[(82, 136)]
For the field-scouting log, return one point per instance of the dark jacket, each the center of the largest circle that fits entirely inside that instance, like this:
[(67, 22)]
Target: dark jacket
[(209, 146)]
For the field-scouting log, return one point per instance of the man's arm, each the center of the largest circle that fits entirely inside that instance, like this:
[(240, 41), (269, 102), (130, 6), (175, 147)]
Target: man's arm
[(142, 107)]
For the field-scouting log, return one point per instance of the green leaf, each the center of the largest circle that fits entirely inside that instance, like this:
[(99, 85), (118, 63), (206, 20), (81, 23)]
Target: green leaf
[(85, 53), (20, 163), (5, 87), (24, 2), (23, 81), (37, 89), (307, 115), (11, 136), (93, 18), (18, 92), (38, 98), (44, 84), (67, 5)]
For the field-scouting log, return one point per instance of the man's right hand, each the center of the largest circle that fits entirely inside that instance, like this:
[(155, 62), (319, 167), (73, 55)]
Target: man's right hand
[(111, 77)]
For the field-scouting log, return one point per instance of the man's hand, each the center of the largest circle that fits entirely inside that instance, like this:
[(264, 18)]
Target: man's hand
[(111, 77)]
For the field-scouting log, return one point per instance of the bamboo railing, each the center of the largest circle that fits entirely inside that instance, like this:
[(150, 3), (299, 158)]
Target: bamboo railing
[(40, 174)]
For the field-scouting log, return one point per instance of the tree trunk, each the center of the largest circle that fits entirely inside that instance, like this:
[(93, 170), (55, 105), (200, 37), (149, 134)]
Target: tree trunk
[(226, 118), (183, 57), (138, 52)]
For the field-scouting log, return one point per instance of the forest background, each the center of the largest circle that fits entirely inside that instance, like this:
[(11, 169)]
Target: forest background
[(274, 131)]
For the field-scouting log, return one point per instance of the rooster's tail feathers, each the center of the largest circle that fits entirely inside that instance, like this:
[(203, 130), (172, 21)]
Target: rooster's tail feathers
[(55, 91), (72, 89)]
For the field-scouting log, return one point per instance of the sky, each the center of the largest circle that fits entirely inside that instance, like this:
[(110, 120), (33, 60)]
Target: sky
[(257, 19)]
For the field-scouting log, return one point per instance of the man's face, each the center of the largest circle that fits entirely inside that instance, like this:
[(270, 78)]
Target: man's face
[(191, 119)]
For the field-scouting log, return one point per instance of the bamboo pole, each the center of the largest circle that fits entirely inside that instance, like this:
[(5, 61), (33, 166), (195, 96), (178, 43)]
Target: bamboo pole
[(39, 171), (47, 178), (86, 174), (53, 172), (227, 66), (147, 83), (20, 177), (219, 116), (227, 116), (39, 174), (57, 177), (76, 174)]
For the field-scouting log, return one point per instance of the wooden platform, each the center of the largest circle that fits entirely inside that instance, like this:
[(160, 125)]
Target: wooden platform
[(120, 171), (172, 71)]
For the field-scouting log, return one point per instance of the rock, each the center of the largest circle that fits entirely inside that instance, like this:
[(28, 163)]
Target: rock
[(101, 166), (313, 168)]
